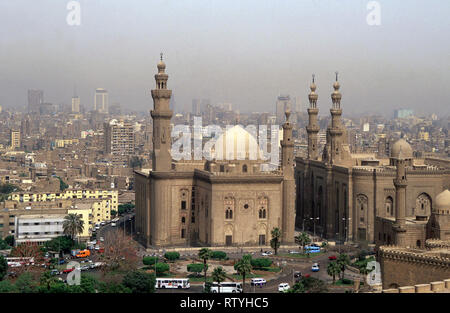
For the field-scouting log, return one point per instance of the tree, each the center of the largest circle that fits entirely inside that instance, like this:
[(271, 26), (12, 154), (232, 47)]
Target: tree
[(172, 256), (3, 267), (25, 283), (303, 240), (205, 254), (10, 240), (261, 262), (219, 275), (60, 244), (3, 244), (139, 282), (32, 253), (120, 252), (161, 268), (333, 269), (113, 213), (219, 255), (46, 281), (7, 287), (149, 260), (275, 242), (73, 225), (343, 260), (244, 267), (196, 268), (309, 285)]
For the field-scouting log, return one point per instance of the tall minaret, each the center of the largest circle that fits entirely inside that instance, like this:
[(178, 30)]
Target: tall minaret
[(313, 126), (400, 183), (336, 149), (161, 115), (287, 163)]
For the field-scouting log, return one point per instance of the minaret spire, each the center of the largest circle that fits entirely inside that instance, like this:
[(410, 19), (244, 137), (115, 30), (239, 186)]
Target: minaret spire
[(313, 126)]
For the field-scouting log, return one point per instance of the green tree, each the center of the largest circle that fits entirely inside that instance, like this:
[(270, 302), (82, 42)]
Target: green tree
[(10, 240), (196, 268), (60, 244), (161, 268), (3, 267), (333, 269), (303, 240), (172, 256), (139, 282), (205, 254), (343, 261), (219, 275), (275, 242), (261, 262), (149, 260), (219, 255), (73, 225), (3, 244), (244, 268), (114, 288), (113, 213), (7, 287), (25, 283), (46, 281), (309, 285)]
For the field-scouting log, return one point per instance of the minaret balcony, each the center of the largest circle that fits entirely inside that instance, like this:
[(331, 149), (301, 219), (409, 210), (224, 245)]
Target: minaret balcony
[(312, 129), (161, 93), (400, 183)]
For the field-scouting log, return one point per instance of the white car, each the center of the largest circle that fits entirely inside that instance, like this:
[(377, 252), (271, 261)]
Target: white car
[(266, 253), (283, 287), (102, 239), (315, 267), (84, 267), (258, 282), (102, 223), (294, 252), (97, 227), (113, 224)]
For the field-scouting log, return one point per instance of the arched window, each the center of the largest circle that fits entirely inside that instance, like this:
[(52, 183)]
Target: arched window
[(183, 220), (262, 213), (389, 205), (229, 214), (222, 168), (423, 204), (418, 243), (244, 168)]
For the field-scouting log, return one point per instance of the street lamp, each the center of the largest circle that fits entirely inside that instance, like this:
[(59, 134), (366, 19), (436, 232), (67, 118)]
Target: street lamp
[(314, 222), (345, 227)]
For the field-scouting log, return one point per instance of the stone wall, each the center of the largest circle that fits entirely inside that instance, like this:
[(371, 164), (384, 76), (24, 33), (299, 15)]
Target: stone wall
[(433, 287)]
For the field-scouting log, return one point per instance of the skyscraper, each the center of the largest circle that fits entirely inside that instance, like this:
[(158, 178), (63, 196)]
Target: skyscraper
[(35, 99), (101, 100), (283, 104), (75, 104), (15, 139)]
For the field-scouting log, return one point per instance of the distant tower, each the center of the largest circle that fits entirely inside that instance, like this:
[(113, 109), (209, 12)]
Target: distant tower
[(313, 126), (101, 100), (287, 163), (336, 150), (161, 115), (75, 102)]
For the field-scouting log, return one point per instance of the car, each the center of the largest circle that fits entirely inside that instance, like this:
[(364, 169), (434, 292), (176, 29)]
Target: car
[(84, 267), (67, 270), (332, 257), (283, 287), (267, 253), (102, 239), (113, 224), (97, 227), (297, 274), (307, 276), (102, 223), (294, 252), (97, 247), (61, 261), (258, 282), (55, 272), (315, 267)]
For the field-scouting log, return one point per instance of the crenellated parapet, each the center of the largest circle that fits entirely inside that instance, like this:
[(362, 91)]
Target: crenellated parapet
[(397, 253)]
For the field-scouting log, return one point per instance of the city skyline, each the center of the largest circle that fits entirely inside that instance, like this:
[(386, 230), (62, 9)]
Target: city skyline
[(382, 68)]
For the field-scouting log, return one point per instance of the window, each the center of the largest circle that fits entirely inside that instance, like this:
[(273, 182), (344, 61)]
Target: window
[(244, 168), (183, 233), (262, 213), (183, 205), (246, 206), (183, 220), (229, 214)]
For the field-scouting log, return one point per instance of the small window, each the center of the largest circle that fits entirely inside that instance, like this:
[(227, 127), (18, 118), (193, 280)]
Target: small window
[(246, 206), (183, 205), (183, 220), (244, 168), (183, 233)]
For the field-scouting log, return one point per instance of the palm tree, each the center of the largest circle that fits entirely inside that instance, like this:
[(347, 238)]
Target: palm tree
[(276, 239), (244, 267), (219, 275), (205, 254), (343, 260), (73, 225), (303, 240), (333, 269)]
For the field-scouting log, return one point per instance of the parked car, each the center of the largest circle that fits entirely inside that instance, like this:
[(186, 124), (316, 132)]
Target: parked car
[(294, 252), (315, 267), (85, 267), (102, 223), (97, 227), (67, 270), (102, 239), (267, 253), (283, 287), (55, 272), (258, 282), (113, 224), (297, 275), (332, 257)]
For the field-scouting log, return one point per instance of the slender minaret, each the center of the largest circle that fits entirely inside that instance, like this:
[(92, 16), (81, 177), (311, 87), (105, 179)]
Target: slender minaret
[(287, 163), (161, 115), (336, 150), (400, 183), (313, 126)]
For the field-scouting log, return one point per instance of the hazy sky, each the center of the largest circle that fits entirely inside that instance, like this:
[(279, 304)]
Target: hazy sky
[(245, 52)]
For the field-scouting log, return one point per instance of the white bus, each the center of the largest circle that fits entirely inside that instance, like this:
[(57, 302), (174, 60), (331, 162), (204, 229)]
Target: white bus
[(180, 283), (226, 287)]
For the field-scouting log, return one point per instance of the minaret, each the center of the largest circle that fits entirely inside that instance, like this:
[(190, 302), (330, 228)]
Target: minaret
[(161, 115), (400, 183), (287, 163), (313, 126), (336, 149)]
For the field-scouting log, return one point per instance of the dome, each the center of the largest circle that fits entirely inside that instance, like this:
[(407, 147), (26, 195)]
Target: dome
[(443, 200), (236, 144), (401, 150), (161, 65)]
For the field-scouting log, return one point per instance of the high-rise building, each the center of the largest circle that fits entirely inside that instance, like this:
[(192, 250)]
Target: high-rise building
[(15, 139), (403, 113), (196, 110), (75, 104), (101, 100), (283, 104), (35, 99), (119, 138)]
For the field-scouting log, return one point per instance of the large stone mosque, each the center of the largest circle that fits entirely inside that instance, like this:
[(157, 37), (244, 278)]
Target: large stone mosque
[(336, 194), (229, 201)]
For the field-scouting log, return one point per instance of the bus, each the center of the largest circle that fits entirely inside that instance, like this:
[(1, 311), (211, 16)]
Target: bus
[(226, 287), (179, 283)]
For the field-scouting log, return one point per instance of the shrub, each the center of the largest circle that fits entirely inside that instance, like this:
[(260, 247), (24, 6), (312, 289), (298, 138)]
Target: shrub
[(172, 256), (219, 255), (139, 282), (149, 260), (362, 255), (196, 268), (161, 267), (261, 262)]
